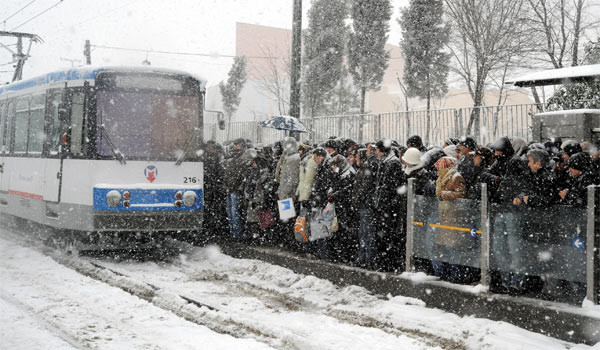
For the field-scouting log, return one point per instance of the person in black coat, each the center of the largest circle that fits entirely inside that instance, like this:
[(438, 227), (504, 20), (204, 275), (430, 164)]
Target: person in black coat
[(345, 239), (580, 169), (506, 250), (390, 209), (540, 187), (214, 194), (466, 167), (363, 202)]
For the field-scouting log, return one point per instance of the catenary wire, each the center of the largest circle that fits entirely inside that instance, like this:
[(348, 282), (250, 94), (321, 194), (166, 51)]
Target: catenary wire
[(39, 14)]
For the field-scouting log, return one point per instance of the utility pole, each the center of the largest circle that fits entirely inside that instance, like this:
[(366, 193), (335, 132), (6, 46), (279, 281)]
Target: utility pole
[(19, 57), (87, 52), (296, 59), (71, 60)]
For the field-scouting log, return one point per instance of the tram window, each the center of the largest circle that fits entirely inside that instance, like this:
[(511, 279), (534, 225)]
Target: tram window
[(36, 125), (54, 123), (21, 125), (77, 105), (2, 124)]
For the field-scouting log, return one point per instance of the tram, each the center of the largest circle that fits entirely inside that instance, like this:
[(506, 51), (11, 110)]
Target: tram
[(103, 149)]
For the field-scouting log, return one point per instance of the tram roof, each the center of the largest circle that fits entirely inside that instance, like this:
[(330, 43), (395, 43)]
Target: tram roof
[(558, 76), (87, 73)]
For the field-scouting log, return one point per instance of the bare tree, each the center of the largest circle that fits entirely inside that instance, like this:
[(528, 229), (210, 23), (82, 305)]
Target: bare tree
[(485, 36), (560, 25), (273, 78)]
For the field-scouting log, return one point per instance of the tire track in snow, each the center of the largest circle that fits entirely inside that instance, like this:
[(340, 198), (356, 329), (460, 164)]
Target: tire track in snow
[(279, 300)]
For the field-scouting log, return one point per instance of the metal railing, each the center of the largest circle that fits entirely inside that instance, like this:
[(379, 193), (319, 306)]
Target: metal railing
[(560, 249), (493, 122)]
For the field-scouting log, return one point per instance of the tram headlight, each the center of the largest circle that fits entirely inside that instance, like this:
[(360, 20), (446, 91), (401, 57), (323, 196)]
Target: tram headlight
[(113, 198), (189, 198)]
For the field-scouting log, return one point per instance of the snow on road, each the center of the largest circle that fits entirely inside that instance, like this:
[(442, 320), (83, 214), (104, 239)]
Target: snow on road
[(38, 293), (66, 309)]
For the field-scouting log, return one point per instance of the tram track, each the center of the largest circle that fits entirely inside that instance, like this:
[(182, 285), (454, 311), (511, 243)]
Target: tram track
[(222, 319)]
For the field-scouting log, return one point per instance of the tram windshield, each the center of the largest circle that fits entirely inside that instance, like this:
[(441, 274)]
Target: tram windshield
[(145, 122)]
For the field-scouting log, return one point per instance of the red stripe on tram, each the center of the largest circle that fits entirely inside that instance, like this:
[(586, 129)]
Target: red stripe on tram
[(26, 194)]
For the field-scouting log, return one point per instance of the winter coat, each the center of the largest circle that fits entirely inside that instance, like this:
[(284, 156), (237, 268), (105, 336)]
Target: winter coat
[(322, 185), (577, 194), (364, 187), (236, 172), (259, 194), (450, 185), (214, 191), (390, 178), (289, 170), (541, 189), (424, 184), (308, 171), (468, 170), (511, 184), (342, 197)]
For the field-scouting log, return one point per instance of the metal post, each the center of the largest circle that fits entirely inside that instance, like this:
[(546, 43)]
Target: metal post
[(410, 218), (592, 293), (296, 59), (485, 238), (87, 52)]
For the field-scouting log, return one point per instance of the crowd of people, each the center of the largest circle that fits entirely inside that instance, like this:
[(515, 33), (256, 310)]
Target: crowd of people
[(367, 186)]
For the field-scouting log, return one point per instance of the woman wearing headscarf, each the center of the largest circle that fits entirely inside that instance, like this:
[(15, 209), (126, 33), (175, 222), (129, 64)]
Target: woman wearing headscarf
[(449, 186)]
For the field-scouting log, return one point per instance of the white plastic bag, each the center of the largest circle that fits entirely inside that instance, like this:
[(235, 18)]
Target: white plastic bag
[(286, 209)]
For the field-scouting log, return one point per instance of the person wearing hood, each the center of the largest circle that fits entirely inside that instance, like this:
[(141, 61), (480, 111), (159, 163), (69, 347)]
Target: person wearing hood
[(579, 167), (289, 170), (344, 241), (417, 166), (236, 175), (389, 208)]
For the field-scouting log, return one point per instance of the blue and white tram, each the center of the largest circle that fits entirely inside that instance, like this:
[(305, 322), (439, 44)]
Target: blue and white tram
[(99, 149)]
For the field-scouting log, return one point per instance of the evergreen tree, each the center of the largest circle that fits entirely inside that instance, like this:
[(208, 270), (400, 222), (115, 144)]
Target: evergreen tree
[(424, 36), (230, 91), (324, 44), (584, 95), (592, 52), (367, 56)]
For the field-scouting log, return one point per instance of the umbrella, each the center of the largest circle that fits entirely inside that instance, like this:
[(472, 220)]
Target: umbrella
[(284, 122)]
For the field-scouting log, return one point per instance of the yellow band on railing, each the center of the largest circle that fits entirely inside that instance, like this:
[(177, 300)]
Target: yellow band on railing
[(446, 227)]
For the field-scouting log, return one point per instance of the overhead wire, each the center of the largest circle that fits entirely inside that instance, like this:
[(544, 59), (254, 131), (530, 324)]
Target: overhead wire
[(39, 14), (19, 10)]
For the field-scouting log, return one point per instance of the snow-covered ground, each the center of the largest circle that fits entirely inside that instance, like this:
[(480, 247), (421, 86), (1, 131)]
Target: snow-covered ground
[(45, 303)]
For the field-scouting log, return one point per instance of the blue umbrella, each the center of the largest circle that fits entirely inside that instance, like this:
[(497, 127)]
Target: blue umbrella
[(284, 122)]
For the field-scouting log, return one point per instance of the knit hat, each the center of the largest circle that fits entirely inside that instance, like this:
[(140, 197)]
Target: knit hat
[(445, 162), (468, 142), (384, 146), (412, 156), (414, 141), (450, 151), (571, 147), (579, 161)]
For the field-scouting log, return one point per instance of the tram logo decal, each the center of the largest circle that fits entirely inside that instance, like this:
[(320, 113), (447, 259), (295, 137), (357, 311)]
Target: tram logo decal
[(151, 173)]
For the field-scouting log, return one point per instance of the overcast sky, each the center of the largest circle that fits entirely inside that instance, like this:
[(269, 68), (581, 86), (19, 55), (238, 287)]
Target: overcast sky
[(192, 26)]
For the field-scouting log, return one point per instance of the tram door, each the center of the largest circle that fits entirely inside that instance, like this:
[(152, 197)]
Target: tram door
[(52, 168), (6, 114)]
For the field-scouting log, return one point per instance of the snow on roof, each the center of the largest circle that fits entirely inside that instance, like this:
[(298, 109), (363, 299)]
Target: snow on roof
[(89, 72), (559, 76), (571, 111)]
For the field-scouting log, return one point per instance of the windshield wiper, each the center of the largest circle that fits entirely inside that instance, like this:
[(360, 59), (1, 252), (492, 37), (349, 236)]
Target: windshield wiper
[(187, 146), (120, 157)]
